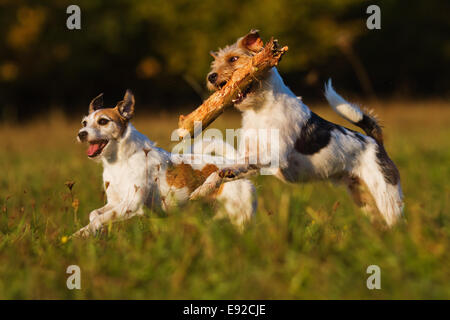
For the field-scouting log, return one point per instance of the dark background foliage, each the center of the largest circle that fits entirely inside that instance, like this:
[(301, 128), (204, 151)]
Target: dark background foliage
[(159, 49)]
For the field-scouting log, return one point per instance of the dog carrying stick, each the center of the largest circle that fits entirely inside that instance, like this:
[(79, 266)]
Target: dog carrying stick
[(213, 107)]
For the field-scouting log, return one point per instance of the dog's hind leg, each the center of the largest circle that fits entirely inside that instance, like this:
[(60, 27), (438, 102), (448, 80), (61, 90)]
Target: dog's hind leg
[(381, 177), (361, 195), (238, 202)]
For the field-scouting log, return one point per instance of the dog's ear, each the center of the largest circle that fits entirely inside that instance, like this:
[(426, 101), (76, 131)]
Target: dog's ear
[(252, 41), (213, 54), (126, 106), (96, 103)]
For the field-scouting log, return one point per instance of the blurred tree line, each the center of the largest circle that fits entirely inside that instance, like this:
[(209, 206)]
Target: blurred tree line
[(159, 49)]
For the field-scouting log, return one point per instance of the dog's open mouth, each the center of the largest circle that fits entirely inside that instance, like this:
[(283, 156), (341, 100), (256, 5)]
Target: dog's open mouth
[(242, 95), (96, 147), (222, 84)]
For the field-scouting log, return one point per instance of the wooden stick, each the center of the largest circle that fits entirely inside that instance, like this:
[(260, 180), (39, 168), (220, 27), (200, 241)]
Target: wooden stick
[(213, 107)]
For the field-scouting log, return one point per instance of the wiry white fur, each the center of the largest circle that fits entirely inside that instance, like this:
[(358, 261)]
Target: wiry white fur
[(388, 198), (238, 211), (135, 176), (348, 111), (273, 105)]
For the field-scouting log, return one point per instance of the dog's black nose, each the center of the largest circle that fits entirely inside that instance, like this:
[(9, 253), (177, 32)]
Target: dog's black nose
[(212, 77), (82, 135)]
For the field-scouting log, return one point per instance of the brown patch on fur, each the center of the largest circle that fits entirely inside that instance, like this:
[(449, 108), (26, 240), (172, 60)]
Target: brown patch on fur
[(106, 185), (183, 175), (208, 169), (213, 195), (224, 67), (218, 191), (251, 41), (114, 115), (244, 48), (361, 195)]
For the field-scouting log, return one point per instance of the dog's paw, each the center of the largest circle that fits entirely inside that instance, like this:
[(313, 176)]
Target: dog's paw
[(82, 233), (93, 228), (228, 173)]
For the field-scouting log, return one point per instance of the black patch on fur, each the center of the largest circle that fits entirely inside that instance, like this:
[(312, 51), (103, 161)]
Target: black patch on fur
[(315, 135), (371, 128), (359, 136), (341, 129), (387, 166)]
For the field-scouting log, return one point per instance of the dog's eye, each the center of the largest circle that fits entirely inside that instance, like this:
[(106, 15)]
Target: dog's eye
[(233, 59), (103, 121), (84, 123)]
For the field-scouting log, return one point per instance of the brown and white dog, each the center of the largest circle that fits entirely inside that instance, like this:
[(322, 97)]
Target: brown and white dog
[(137, 173), (310, 147)]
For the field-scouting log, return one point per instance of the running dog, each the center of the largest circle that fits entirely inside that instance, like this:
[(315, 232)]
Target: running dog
[(310, 147), (137, 173)]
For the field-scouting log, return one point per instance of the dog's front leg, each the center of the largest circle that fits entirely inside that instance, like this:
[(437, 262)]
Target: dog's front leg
[(122, 211), (97, 212), (209, 185), (238, 171), (215, 179), (87, 230)]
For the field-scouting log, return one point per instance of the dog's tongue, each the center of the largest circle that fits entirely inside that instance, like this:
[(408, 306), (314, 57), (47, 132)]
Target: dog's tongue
[(93, 148)]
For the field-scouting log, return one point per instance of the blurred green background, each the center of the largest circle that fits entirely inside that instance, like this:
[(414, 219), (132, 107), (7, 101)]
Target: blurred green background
[(160, 49), (307, 241)]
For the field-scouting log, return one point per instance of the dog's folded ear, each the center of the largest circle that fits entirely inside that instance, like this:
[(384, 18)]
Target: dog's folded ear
[(126, 106), (252, 41), (213, 54), (96, 103)]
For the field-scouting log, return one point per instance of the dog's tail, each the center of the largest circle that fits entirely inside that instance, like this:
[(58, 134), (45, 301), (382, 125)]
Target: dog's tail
[(352, 113)]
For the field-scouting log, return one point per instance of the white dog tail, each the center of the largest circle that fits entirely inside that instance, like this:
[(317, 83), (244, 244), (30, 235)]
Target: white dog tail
[(353, 113)]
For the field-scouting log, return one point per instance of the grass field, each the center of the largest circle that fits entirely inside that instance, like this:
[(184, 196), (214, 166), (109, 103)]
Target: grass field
[(307, 242)]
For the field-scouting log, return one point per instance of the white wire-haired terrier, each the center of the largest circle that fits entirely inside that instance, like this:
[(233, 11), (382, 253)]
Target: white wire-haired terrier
[(137, 173), (309, 146)]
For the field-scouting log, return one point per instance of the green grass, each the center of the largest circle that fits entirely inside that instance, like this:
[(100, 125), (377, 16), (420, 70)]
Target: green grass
[(308, 241)]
